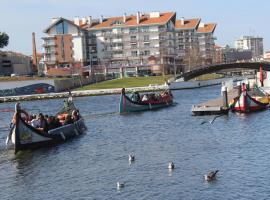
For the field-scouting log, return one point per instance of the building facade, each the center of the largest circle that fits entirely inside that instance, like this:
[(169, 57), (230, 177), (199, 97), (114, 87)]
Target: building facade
[(64, 47), (255, 44), (127, 45), (14, 63)]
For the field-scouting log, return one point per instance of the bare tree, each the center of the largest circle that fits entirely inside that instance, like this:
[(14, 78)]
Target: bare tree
[(192, 58)]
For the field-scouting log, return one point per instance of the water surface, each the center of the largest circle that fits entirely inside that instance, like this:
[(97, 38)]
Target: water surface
[(88, 167)]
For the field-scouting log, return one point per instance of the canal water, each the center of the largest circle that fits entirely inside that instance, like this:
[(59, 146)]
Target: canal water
[(89, 167)]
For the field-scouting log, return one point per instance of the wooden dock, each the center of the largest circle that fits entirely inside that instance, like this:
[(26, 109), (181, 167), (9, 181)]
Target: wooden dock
[(215, 106)]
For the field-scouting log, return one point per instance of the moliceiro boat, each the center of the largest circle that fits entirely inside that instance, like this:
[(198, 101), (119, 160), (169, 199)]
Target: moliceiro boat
[(148, 101), (24, 136), (249, 100)]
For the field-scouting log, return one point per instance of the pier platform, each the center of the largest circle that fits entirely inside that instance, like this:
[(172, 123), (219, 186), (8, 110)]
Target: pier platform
[(215, 106)]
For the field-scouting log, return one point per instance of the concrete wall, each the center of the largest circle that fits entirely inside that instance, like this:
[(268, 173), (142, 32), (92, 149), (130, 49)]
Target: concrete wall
[(59, 84), (66, 84)]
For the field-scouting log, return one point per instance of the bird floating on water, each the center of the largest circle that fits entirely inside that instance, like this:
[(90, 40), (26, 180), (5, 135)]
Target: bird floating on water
[(131, 157), (211, 176), (171, 165), (120, 185)]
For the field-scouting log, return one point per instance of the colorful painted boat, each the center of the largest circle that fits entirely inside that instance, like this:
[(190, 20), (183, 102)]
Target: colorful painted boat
[(23, 136), (137, 102), (249, 101)]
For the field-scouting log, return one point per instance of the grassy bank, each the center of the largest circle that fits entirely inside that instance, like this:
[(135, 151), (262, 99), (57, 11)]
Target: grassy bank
[(127, 82), (206, 77)]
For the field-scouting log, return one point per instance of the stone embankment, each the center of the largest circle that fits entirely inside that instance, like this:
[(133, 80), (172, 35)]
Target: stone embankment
[(80, 93)]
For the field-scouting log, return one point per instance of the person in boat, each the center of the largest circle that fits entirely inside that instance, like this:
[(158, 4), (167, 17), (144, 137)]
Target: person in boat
[(145, 97), (35, 122), (50, 122), (135, 97), (75, 115), (57, 122), (43, 123), (68, 120)]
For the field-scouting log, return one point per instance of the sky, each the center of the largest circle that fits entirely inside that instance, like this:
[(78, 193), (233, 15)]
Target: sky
[(234, 18)]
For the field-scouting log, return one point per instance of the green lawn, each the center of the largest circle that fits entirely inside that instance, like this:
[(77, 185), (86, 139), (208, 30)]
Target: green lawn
[(127, 82)]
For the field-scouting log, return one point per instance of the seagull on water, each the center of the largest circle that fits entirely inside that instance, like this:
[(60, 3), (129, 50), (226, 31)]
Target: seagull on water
[(171, 165), (120, 185), (211, 176), (131, 157)]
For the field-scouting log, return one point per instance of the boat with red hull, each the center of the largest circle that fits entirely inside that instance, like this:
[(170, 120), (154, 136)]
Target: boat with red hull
[(249, 101)]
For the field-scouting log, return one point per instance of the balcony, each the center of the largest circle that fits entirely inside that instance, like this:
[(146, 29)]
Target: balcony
[(49, 44), (116, 40)]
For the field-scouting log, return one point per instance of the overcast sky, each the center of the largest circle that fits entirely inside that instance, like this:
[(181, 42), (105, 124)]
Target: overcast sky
[(234, 18)]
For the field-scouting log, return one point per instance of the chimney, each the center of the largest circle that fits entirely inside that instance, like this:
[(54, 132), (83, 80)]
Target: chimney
[(54, 19), (138, 17), (89, 20), (84, 20), (201, 25), (124, 17), (182, 21), (77, 21), (34, 54), (101, 19)]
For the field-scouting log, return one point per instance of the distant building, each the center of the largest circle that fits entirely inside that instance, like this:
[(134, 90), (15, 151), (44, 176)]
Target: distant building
[(266, 56), (14, 63), (235, 55), (254, 44)]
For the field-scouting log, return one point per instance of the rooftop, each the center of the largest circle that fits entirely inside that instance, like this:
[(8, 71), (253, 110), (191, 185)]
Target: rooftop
[(187, 23), (206, 28), (144, 19)]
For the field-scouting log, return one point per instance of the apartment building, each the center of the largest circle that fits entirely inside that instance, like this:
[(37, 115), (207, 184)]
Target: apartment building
[(143, 43), (64, 47), (133, 44), (255, 44), (194, 42), (206, 42)]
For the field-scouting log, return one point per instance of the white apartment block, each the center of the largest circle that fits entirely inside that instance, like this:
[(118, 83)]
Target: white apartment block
[(130, 44), (255, 44)]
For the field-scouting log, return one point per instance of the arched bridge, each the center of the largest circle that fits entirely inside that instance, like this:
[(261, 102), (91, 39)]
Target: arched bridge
[(217, 67)]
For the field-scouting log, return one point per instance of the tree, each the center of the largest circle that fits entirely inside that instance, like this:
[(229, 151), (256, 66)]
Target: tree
[(192, 58), (3, 39)]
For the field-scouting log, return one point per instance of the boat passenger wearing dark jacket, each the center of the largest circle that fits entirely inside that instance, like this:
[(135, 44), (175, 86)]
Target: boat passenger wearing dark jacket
[(43, 123), (68, 120)]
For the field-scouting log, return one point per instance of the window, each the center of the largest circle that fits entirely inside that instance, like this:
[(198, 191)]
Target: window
[(133, 30), (147, 53), (145, 29), (146, 38), (147, 44), (62, 28), (134, 53), (133, 46), (133, 38)]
